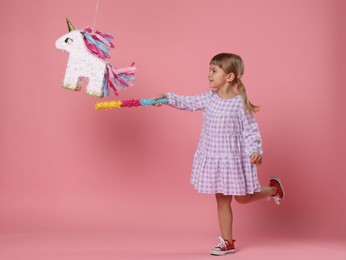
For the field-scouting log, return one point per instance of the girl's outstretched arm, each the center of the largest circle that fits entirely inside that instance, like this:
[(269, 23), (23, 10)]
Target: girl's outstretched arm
[(191, 103)]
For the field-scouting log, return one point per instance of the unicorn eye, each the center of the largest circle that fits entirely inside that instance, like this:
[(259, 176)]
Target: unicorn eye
[(68, 41)]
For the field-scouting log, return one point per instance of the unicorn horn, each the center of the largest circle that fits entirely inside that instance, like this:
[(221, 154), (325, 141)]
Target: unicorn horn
[(69, 25)]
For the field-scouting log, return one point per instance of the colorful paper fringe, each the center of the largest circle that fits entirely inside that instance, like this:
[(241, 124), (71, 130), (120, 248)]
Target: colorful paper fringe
[(129, 103), (117, 79), (98, 43)]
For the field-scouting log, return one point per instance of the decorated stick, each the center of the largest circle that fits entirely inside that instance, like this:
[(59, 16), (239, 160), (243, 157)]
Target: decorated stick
[(129, 103)]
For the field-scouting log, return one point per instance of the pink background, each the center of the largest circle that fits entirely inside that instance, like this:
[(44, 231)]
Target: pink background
[(65, 167)]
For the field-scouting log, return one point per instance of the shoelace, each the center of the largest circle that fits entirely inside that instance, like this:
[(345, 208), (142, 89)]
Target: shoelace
[(223, 243), (276, 199)]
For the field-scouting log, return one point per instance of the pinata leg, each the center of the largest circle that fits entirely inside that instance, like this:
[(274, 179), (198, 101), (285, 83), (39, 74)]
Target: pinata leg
[(96, 71), (71, 78), (95, 85)]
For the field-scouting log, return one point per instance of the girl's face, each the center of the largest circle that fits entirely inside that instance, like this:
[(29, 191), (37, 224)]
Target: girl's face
[(217, 77)]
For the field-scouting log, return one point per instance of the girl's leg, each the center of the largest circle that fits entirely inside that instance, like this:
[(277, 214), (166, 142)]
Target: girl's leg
[(225, 215), (265, 192)]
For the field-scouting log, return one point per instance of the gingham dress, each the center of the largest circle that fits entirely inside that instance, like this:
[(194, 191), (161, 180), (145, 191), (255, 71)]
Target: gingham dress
[(229, 135)]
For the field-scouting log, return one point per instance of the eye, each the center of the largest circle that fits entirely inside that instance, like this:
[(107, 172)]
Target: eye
[(68, 41)]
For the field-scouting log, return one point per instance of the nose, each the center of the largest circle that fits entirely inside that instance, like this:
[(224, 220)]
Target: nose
[(57, 44)]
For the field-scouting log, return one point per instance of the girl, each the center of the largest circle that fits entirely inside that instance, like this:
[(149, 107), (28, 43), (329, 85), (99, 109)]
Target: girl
[(230, 144)]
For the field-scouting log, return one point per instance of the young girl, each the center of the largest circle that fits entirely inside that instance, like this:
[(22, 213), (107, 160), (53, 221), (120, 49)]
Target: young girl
[(230, 144)]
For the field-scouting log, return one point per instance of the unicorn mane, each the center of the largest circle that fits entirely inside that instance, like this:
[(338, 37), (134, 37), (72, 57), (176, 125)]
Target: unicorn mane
[(97, 43)]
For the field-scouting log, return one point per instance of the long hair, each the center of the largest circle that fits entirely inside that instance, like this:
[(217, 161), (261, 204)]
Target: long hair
[(232, 63)]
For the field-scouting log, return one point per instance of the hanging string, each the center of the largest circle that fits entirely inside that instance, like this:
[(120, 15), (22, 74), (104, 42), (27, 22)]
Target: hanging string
[(97, 6)]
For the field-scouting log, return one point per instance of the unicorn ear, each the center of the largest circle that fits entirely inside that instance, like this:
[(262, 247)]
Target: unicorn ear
[(69, 25)]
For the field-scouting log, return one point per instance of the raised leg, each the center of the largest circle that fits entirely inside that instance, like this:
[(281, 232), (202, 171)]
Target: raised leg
[(265, 192)]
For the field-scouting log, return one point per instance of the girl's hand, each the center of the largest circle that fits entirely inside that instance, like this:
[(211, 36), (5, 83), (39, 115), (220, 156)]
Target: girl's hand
[(256, 158), (159, 96)]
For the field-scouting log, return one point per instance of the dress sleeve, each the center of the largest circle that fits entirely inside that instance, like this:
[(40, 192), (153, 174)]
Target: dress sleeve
[(251, 133), (191, 103)]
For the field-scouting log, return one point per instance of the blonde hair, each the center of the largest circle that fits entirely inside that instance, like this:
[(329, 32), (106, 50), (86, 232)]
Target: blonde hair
[(232, 63)]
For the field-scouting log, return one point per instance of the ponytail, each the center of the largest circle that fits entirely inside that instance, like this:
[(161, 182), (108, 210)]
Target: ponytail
[(233, 63), (251, 108)]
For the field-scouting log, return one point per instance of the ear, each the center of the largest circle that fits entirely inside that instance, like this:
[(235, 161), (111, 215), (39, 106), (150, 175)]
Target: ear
[(230, 77)]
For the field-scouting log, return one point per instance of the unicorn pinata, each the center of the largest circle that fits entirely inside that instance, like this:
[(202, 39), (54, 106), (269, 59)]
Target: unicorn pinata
[(87, 63)]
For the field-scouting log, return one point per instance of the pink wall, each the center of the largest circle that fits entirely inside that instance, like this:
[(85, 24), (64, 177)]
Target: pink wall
[(66, 166)]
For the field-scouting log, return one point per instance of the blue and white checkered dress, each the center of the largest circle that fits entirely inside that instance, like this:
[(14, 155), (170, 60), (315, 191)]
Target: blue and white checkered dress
[(229, 135)]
